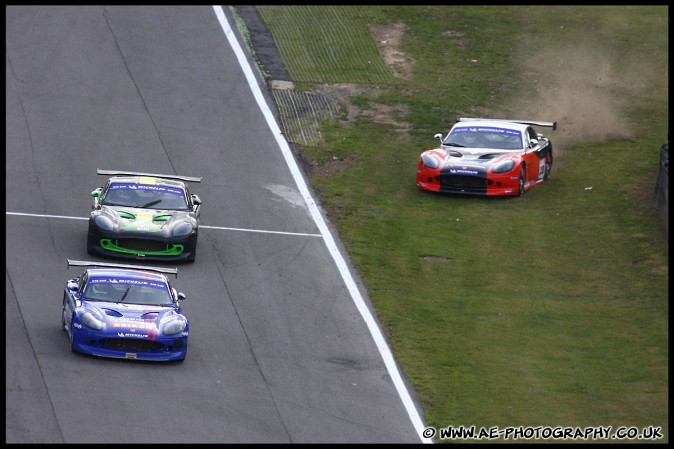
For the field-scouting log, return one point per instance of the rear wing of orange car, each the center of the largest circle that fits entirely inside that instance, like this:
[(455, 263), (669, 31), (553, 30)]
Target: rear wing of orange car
[(552, 125)]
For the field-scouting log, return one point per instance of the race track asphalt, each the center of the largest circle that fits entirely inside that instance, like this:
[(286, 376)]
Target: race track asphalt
[(278, 351)]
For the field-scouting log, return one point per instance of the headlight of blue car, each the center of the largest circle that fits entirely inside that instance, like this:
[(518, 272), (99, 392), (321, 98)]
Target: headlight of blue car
[(90, 321), (503, 167), (182, 229), (175, 326)]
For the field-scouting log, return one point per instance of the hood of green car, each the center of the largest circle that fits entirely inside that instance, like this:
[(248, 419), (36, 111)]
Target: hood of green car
[(144, 221)]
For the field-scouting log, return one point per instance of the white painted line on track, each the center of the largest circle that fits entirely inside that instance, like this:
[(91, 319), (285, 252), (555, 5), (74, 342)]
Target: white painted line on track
[(262, 231), (46, 216), (379, 339)]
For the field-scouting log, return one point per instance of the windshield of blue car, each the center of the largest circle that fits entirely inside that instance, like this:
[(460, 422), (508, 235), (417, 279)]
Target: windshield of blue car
[(484, 137), (128, 291), (145, 196)]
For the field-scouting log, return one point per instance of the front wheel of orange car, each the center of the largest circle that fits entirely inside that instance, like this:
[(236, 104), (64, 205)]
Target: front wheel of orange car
[(520, 189)]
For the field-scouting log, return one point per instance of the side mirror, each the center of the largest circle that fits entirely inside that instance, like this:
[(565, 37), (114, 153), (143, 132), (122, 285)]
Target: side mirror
[(181, 296), (73, 288), (438, 136), (196, 200), (96, 194)]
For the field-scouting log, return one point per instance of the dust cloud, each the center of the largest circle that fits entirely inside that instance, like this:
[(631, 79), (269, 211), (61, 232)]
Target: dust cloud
[(583, 90)]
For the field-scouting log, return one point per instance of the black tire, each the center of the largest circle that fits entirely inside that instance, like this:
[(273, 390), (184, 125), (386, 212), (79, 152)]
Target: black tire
[(91, 244), (520, 189), (63, 318), (63, 326), (193, 252), (548, 168)]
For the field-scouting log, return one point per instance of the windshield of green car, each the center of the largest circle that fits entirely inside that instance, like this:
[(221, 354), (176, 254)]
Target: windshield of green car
[(145, 196)]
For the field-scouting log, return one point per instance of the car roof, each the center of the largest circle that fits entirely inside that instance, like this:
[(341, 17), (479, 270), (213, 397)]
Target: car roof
[(521, 127), (152, 180)]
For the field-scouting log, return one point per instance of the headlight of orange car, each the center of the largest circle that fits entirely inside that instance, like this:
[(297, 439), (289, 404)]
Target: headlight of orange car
[(503, 167), (430, 161)]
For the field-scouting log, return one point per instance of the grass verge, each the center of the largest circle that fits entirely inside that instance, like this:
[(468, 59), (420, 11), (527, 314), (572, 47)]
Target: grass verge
[(545, 310)]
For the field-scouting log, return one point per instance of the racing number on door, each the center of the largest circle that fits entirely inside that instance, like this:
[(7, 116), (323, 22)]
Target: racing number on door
[(541, 168)]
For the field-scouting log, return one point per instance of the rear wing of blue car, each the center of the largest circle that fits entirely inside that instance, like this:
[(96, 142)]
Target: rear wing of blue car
[(154, 175), (83, 263), (552, 125)]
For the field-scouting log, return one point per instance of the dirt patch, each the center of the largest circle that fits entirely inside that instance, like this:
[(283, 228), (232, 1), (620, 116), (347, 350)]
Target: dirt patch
[(329, 168), (459, 42), (388, 38), (434, 259), (377, 113), (389, 115), (340, 93)]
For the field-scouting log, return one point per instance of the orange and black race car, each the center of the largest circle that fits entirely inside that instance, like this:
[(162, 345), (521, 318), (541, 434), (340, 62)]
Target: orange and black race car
[(490, 157)]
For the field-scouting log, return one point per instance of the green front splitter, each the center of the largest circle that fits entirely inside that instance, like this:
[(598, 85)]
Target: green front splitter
[(171, 249)]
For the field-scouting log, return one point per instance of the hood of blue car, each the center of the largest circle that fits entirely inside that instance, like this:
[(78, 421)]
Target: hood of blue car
[(126, 319)]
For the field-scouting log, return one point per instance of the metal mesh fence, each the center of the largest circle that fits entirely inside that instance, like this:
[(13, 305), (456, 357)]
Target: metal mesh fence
[(301, 113), (327, 43)]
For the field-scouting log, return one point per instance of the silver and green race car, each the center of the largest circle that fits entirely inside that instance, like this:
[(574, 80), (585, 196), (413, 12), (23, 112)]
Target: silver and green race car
[(144, 216)]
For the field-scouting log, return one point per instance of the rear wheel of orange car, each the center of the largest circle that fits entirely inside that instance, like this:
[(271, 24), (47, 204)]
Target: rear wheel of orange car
[(548, 167)]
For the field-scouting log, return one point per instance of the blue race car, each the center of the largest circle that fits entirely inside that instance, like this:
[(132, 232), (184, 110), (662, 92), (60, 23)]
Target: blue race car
[(124, 311)]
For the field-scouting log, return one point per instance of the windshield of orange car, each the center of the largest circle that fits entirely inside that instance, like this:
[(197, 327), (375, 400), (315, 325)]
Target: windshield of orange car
[(484, 137)]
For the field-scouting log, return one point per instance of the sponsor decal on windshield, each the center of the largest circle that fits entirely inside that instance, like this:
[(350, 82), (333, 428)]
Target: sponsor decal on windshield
[(487, 129), (142, 282), (146, 187)]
